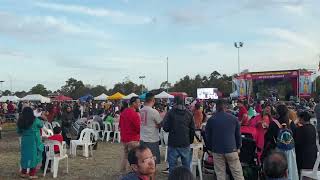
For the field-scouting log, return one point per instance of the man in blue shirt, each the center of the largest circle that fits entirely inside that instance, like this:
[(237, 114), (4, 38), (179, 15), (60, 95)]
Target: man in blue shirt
[(224, 140)]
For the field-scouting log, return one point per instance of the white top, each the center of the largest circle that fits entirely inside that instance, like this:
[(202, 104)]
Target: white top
[(149, 119)]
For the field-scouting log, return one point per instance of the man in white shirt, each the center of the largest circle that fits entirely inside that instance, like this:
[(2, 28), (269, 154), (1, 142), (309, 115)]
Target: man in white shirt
[(150, 124)]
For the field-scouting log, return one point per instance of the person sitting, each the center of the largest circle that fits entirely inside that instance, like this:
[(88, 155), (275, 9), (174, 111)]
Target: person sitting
[(56, 137), (142, 163), (275, 166), (181, 173), (305, 142)]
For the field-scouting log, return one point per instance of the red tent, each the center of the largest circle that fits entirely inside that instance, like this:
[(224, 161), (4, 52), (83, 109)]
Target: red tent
[(62, 98), (183, 95)]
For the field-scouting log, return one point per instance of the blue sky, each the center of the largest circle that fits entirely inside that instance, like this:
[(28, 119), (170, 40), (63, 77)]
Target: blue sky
[(105, 41)]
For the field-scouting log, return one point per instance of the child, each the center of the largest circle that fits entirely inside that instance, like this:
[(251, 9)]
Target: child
[(57, 137)]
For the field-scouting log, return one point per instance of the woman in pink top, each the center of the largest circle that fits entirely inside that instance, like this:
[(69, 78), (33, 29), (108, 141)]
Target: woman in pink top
[(261, 123)]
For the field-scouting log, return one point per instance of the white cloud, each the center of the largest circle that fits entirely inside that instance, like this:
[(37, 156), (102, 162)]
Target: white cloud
[(116, 16), (43, 27), (297, 39)]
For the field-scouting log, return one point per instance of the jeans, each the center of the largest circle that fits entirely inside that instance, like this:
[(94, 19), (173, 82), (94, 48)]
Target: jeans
[(175, 153)]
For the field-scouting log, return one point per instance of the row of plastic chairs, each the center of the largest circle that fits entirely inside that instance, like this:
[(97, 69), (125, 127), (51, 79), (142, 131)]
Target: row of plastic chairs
[(106, 132), (87, 141)]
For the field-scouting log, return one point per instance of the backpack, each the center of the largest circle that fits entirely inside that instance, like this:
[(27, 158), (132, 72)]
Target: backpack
[(284, 141)]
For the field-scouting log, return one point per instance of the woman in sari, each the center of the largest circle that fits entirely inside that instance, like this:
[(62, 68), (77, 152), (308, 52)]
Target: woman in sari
[(31, 145)]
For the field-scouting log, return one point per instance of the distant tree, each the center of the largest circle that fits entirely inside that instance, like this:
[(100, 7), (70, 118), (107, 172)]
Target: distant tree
[(97, 90), (6, 93), (39, 89), (126, 88), (74, 88), (165, 85), (20, 94)]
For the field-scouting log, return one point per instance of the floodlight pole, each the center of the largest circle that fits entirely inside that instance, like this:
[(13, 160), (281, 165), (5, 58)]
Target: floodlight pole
[(238, 45), (142, 77)]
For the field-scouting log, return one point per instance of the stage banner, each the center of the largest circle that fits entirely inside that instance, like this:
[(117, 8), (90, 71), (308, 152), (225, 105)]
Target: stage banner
[(305, 84), (241, 86)]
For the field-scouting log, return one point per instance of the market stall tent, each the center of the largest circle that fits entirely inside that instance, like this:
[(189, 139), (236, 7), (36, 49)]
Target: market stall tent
[(36, 97), (130, 96), (86, 98), (102, 97), (164, 95), (9, 98), (62, 98), (116, 96)]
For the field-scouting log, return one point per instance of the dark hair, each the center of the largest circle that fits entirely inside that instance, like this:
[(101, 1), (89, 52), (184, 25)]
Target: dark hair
[(149, 97), (178, 100), (124, 106), (305, 116), (26, 119), (220, 105), (275, 165), (283, 114), (197, 106), (181, 173), (133, 100), (57, 130), (132, 155)]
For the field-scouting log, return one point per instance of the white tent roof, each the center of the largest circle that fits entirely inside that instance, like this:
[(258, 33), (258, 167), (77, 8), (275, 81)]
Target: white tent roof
[(36, 97), (130, 96), (164, 95), (102, 97), (9, 98)]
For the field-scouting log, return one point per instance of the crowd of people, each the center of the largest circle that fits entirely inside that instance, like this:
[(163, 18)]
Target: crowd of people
[(282, 131)]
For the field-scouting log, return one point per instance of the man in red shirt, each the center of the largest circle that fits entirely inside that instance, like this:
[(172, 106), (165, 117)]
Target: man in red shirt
[(243, 113), (129, 125)]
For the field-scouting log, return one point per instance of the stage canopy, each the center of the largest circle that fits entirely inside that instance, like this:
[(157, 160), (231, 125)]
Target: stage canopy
[(116, 96), (102, 97), (62, 98), (36, 97), (164, 95), (130, 96), (9, 98)]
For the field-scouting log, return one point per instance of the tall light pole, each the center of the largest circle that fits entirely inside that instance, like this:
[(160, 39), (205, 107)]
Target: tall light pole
[(142, 77), (167, 74), (238, 45)]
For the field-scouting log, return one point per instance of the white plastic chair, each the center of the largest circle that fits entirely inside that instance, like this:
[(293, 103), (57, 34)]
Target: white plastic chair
[(314, 173), (107, 130), (48, 125), (46, 132), (55, 124), (89, 123), (85, 140), (96, 127), (116, 135), (55, 158), (195, 159)]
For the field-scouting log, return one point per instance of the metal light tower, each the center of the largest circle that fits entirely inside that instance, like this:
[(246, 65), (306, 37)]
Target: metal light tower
[(142, 77), (167, 85), (238, 45)]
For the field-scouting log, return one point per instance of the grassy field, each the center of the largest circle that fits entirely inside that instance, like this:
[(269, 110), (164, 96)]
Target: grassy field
[(103, 165)]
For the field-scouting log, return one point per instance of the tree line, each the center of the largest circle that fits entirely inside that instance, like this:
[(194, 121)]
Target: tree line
[(76, 88)]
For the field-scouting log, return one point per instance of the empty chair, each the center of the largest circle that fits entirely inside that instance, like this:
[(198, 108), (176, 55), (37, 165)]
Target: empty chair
[(55, 124), (196, 160), (96, 127), (107, 131), (116, 133), (55, 158), (89, 123), (46, 132), (48, 125), (86, 140)]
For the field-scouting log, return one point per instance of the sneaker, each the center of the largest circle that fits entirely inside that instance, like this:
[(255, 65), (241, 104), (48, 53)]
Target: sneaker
[(33, 177), (166, 171), (23, 175)]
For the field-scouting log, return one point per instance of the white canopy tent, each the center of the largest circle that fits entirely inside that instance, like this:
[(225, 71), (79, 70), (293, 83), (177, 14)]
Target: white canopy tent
[(9, 98), (164, 95), (36, 97), (129, 96), (102, 97)]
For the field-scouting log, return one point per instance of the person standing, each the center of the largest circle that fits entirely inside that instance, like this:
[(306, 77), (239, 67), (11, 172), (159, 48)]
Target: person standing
[(129, 125), (198, 116), (179, 123), (224, 140), (317, 112), (67, 120), (243, 113), (150, 124), (28, 127)]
